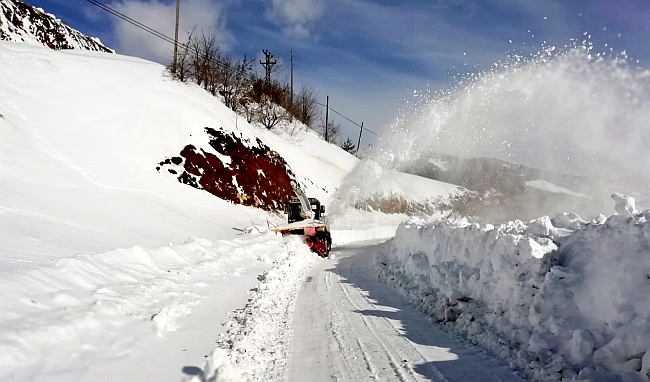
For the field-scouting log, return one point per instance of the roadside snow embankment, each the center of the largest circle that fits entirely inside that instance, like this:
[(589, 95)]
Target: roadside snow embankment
[(560, 299), (256, 345), (74, 313)]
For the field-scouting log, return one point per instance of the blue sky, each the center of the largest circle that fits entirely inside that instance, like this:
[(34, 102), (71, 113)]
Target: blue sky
[(369, 55)]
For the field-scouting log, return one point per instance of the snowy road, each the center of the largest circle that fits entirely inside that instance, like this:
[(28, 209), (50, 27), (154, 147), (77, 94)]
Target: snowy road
[(348, 326)]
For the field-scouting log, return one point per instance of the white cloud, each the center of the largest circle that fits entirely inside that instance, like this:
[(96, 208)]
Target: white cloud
[(296, 17), (206, 15)]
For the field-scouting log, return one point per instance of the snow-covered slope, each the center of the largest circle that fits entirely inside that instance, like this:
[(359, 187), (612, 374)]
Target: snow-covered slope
[(107, 261), (22, 22), (83, 136), (93, 239), (96, 239)]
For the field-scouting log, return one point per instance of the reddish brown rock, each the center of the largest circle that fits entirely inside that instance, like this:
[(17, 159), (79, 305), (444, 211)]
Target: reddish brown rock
[(256, 175)]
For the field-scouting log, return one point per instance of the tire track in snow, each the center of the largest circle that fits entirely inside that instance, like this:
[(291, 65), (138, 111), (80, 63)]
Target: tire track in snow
[(393, 362), (374, 334)]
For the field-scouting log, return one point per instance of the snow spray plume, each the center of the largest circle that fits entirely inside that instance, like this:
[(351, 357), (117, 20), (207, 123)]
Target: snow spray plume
[(571, 110)]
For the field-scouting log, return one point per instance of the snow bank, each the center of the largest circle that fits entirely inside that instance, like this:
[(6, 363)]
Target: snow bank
[(256, 345), (78, 311), (561, 298), (344, 237)]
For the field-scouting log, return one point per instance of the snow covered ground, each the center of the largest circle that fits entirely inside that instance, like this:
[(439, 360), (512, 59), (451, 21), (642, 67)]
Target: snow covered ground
[(109, 269), (107, 265), (106, 316), (559, 299), (337, 321)]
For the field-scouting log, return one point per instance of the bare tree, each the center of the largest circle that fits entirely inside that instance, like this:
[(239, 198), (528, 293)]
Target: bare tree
[(182, 72), (269, 114), (205, 52), (333, 132), (201, 60), (235, 82), (304, 107)]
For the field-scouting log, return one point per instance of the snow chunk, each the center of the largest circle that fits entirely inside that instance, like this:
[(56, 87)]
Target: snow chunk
[(625, 204)]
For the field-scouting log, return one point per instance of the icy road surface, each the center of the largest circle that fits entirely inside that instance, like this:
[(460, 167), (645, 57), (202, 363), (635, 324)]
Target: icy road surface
[(348, 326)]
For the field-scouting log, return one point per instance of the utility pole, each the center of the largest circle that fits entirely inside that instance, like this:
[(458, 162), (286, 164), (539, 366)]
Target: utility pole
[(268, 65), (327, 116), (359, 143), (178, 18), (292, 76)]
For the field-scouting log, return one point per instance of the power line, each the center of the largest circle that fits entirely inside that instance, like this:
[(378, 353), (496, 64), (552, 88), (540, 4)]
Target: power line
[(158, 34), (130, 20), (348, 119), (224, 65)]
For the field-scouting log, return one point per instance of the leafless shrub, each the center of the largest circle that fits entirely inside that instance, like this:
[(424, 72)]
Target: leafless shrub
[(269, 114), (206, 53), (305, 107), (293, 131), (201, 61), (182, 70), (333, 132), (235, 82)]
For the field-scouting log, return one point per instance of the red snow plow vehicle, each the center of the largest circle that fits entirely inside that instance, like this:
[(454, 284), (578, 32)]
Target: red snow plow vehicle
[(305, 217)]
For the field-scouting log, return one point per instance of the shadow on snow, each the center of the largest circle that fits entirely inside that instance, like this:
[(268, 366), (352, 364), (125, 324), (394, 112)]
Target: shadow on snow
[(455, 358)]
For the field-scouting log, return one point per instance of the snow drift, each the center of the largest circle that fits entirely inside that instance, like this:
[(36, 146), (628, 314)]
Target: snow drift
[(256, 345), (72, 314), (560, 298)]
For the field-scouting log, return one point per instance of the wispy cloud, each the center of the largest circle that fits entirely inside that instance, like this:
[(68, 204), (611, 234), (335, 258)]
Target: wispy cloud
[(295, 17), (199, 15), (436, 36)]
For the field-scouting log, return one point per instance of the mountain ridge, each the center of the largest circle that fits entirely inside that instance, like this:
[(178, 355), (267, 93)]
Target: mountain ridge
[(22, 22)]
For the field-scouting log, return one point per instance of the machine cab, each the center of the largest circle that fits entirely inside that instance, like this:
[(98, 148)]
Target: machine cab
[(293, 209)]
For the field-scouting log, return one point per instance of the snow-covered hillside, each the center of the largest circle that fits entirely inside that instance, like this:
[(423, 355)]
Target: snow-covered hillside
[(83, 134), (21, 22), (134, 216), (95, 239)]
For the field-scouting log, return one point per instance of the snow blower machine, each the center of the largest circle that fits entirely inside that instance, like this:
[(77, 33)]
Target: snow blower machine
[(305, 217)]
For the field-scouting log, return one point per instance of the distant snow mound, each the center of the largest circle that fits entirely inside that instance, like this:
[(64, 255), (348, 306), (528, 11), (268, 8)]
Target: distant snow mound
[(560, 299), (22, 22)]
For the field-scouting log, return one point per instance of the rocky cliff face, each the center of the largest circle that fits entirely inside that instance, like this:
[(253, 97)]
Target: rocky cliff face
[(238, 170), (22, 22)]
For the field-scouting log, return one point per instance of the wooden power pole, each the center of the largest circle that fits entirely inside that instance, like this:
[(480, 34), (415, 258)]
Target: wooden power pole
[(292, 76), (178, 18), (327, 116), (268, 65), (359, 143)]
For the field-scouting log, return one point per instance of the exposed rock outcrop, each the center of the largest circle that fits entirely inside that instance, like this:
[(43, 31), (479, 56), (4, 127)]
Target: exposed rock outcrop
[(22, 22)]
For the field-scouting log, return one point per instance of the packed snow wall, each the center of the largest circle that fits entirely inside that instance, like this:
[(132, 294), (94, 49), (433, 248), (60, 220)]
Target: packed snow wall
[(558, 298)]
